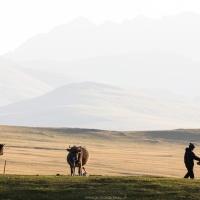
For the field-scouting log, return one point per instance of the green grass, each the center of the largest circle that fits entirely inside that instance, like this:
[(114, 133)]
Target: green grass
[(96, 187)]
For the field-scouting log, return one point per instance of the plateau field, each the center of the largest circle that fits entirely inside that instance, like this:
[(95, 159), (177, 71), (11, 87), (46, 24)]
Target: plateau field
[(42, 151)]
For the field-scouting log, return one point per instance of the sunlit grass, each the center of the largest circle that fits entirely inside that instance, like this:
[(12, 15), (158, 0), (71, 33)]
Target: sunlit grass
[(97, 187)]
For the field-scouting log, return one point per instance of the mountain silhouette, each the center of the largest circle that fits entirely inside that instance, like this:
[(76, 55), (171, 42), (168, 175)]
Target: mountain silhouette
[(80, 39)]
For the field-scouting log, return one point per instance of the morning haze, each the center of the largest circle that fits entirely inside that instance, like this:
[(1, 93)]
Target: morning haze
[(120, 79), (154, 60)]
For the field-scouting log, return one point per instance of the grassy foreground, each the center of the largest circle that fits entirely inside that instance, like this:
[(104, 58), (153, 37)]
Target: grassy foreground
[(96, 187)]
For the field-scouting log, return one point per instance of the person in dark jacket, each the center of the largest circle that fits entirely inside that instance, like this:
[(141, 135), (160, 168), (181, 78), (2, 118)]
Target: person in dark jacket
[(189, 160)]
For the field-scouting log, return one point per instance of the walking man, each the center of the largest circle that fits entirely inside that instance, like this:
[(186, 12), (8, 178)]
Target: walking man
[(189, 160)]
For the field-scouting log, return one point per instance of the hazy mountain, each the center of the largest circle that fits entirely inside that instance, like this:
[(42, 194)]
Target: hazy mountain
[(102, 106), (54, 78), (82, 39), (16, 85), (152, 70)]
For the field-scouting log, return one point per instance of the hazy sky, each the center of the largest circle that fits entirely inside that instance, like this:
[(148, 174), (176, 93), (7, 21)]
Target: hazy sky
[(23, 19)]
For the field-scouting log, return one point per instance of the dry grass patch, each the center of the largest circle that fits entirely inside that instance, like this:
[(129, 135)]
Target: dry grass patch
[(43, 151)]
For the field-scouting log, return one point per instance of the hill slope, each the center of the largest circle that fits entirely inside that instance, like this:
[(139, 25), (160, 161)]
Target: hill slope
[(101, 106), (16, 85), (43, 151)]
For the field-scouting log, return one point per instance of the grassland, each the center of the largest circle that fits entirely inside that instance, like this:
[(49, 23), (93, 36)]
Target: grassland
[(16, 187), (42, 151), (119, 166)]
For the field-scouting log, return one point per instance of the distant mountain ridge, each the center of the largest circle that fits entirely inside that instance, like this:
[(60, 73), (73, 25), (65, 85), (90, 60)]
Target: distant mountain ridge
[(154, 70), (100, 106), (82, 39), (155, 58)]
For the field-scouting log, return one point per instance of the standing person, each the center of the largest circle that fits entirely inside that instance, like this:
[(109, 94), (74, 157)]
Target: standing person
[(189, 160)]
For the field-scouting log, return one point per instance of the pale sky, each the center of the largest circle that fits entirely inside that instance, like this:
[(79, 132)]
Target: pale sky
[(22, 19)]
